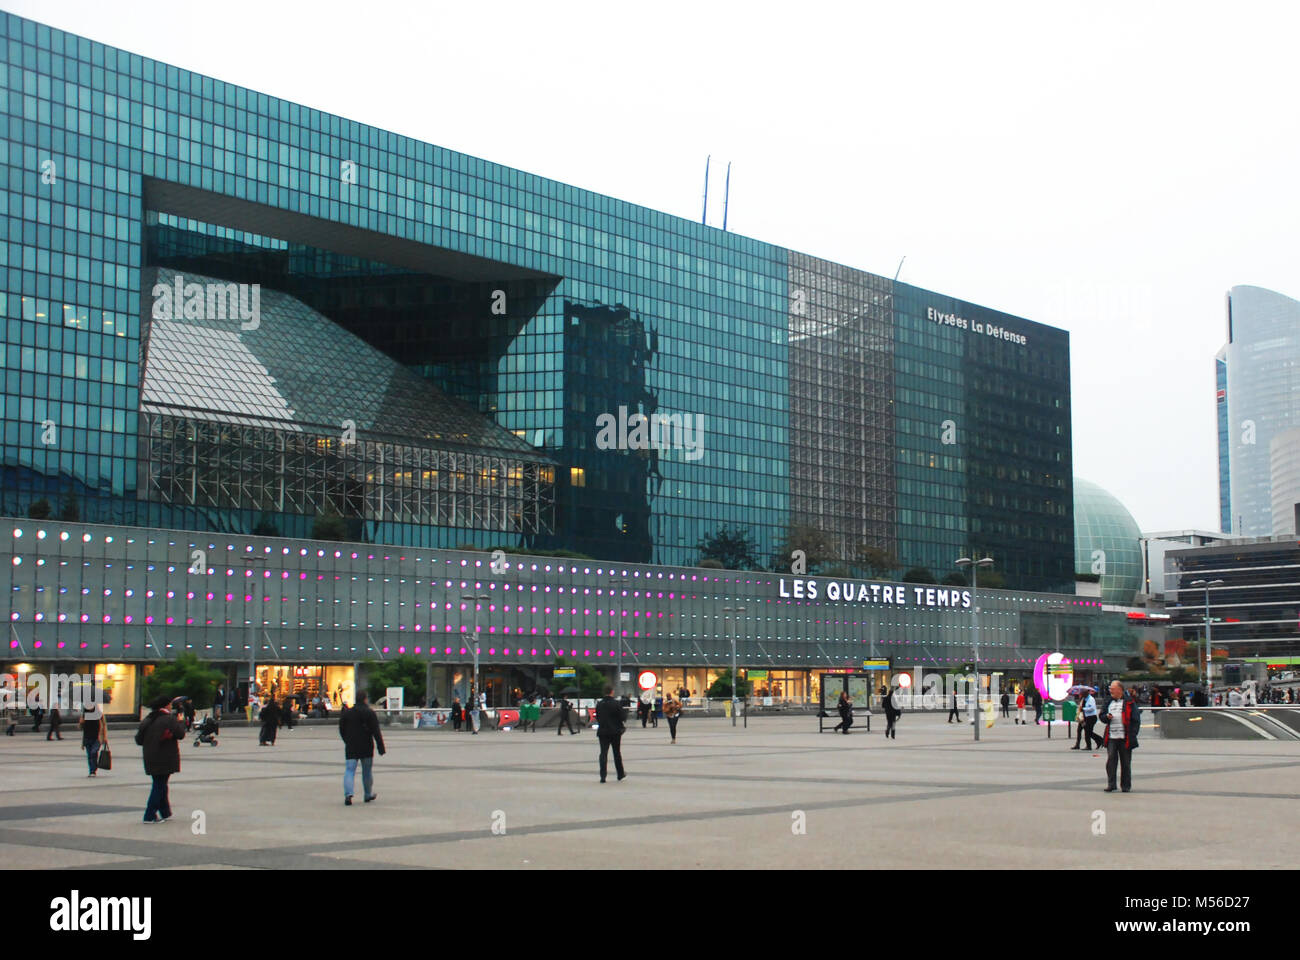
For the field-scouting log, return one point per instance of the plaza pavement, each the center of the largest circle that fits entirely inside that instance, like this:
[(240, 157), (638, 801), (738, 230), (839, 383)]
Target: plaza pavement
[(721, 797)]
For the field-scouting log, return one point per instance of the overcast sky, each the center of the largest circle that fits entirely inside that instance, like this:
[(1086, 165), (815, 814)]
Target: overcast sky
[(1109, 168)]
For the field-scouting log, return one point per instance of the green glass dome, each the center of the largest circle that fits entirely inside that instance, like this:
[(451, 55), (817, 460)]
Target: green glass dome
[(1106, 541)]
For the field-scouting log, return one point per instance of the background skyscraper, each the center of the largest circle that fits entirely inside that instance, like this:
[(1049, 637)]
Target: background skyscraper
[(1258, 379)]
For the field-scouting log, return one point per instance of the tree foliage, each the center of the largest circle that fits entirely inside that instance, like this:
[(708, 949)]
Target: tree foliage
[(819, 548), (874, 561), (918, 575), (186, 676), (734, 548), (40, 509), (591, 682), (70, 512), (404, 671), (329, 525), (720, 688)]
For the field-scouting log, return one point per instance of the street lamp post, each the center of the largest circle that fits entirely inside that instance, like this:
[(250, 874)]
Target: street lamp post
[(735, 681), (473, 599), (1205, 680), (253, 628), (616, 610), (975, 628)]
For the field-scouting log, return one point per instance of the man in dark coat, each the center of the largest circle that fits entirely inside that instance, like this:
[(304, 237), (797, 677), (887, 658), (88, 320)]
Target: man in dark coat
[(457, 713), (1123, 719), (892, 713), (160, 734), (359, 728), (270, 723), (610, 717), (566, 718)]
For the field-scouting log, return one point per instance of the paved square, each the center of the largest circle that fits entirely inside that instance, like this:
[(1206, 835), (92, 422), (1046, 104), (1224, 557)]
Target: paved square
[(721, 797)]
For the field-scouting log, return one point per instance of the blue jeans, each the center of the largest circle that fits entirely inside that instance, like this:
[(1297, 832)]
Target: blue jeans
[(159, 804), (367, 779), (92, 756)]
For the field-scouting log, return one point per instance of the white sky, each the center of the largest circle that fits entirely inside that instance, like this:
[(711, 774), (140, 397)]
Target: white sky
[(1109, 168)]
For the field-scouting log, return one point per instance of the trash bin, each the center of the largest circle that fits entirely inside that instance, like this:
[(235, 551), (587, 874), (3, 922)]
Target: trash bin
[(1068, 711), (1049, 711), (726, 708)]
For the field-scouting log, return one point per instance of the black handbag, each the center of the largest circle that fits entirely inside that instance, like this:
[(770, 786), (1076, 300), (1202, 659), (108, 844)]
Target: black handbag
[(105, 761)]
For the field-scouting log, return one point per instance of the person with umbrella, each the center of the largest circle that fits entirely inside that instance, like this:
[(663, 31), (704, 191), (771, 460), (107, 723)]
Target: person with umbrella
[(1087, 716)]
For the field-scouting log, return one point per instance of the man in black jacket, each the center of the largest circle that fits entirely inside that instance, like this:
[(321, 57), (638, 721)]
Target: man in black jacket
[(270, 723), (160, 734), (610, 717), (566, 718), (359, 728), (1123, 720)]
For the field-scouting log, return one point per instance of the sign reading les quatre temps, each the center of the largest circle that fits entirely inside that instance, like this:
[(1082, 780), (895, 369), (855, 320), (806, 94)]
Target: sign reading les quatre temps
[(894, 594)]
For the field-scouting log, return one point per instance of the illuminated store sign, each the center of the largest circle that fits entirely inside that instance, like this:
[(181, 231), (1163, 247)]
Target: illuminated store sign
[(896, 595)]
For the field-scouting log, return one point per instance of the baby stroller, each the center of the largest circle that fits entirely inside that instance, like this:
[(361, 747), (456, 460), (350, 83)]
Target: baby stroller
[(208, 731)]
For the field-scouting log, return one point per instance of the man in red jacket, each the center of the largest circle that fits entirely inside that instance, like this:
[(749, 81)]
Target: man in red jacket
[(1123, 719)]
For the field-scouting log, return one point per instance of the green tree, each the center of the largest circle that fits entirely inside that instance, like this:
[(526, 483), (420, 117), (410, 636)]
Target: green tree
[(919, 575), (720, 689), (591, 683), (819, 548), (708, 563), (70, 512), (328, 525), (186, 676), (735, 549), (955, 579), (875, 561), (993, 579), (40, 509), (403, 670), (266, 527)]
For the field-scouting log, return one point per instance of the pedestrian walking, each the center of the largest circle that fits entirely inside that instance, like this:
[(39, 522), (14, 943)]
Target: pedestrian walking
[(610, 718), (160, 734), (289, 713), (672, 713), (359, 728), (953, 711), (1038, 705), (457, 713), (94, 734), (1020, 706), (643, 707), (270, 723), (1006, 706), (1123, 719), (56, 721), (218, 704), (658, 711), (11, 715), (891, 713), (845, 709), (566, 718), (38, 712), (1088, 721)]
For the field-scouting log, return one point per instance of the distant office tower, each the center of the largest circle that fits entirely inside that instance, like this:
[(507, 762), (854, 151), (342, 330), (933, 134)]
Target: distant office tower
[(1285, 480), (1259, 385)]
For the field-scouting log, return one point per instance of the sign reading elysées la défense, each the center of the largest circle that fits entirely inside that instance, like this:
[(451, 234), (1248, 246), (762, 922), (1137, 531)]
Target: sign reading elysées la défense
[(975, 326)]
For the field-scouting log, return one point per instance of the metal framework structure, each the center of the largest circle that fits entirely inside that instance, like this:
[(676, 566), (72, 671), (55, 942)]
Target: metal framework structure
[(209, 464)]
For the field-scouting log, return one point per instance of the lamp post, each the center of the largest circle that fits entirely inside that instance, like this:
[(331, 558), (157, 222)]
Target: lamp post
[(735, 681), (252, 630), (616, 610), (473, 599), (1205, 680), (975, 628)]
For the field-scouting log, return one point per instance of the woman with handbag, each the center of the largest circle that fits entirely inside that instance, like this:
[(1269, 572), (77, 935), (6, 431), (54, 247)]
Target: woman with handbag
[(673, 713), (94, 735)]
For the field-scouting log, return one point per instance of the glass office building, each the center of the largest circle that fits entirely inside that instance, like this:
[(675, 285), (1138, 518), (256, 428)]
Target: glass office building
[(226, 312), (1107, 543), (1259, 384)]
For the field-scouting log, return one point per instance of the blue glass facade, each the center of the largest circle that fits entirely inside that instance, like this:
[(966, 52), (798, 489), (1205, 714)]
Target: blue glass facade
[(880, 413)]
